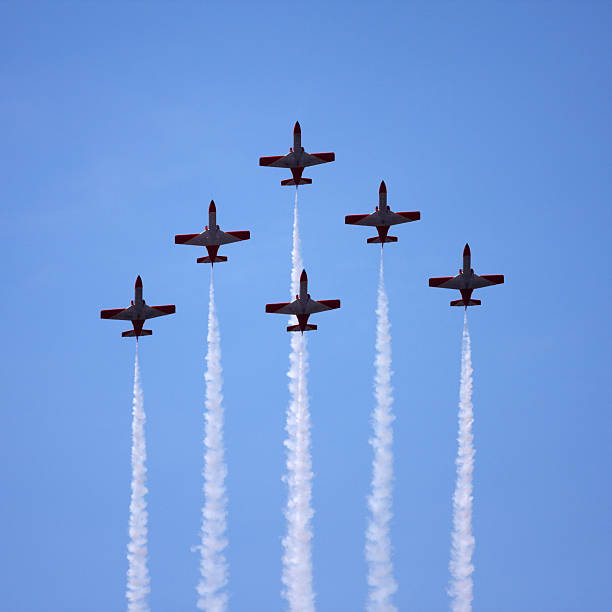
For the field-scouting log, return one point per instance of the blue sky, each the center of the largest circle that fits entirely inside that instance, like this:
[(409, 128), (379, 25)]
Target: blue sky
[(121, 121)]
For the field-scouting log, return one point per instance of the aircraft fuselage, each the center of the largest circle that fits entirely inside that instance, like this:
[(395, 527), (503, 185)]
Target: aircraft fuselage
[(303, 298)]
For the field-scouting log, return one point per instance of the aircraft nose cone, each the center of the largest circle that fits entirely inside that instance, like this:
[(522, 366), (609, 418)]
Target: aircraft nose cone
[(212, 207), (138, 282), (303, 276), (466, 250), (383, 187), (296, 128)]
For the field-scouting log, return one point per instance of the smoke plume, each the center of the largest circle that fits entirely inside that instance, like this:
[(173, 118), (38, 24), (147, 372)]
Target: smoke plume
[(138, 582), (461, 566), (297, 556), (378, 541), (212, 596)]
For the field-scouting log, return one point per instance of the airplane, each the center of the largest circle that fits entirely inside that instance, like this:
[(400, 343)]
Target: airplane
[(137, 313), (303, 307), (297, 159), (382, 218), (212, 238), (466, 281)]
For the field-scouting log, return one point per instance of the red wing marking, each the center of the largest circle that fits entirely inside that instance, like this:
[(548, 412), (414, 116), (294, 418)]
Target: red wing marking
[(241, 235), (326, 157), (413, 216), (354, 218), (276, 307), (436, 282), (170, 309), (183, 238), (496, 279), (267, 161), (331, 304), (109, 314)]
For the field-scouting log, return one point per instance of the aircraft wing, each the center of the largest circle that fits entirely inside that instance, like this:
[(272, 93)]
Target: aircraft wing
[(283, 308), (132, 314), (377, 219), (279, 161), (369, 219), (486, 280), (227, 237), (446, 282), (312, 159), (321, 305), (196, 239), (292, 161), (121, 314), (203, 239), (151, 312), (404, 217)]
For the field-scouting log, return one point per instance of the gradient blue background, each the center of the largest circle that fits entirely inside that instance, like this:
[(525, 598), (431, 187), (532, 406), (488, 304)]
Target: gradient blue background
[(120, 121)]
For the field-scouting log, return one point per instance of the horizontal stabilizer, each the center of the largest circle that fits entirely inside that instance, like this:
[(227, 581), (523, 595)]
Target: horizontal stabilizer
[(301, 181), (131, 333), (469, 303), (213, 260), (378, 239), (308, 327)]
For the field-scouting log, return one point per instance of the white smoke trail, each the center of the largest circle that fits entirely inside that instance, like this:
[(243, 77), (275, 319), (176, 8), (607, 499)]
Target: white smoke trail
[(461, 566), (296, 251), (297, 557), (213, 565), (138, 574), (378, 541)]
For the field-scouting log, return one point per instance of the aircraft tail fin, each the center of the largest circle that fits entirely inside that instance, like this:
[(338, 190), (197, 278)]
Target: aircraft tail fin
[(301, 181), (378, 239), (309, 327), (463, 303), (131, 333), (213, 260)]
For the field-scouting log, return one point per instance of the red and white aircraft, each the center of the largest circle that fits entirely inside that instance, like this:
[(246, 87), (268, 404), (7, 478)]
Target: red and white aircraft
[(382, 218), (212, 238), (297, 159), (303, 307), (138, 312), (466, 281)]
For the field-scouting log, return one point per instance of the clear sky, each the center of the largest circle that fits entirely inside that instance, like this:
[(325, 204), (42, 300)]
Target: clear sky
[(120, 121)]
